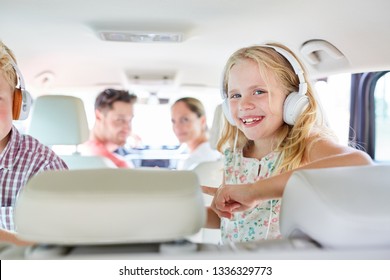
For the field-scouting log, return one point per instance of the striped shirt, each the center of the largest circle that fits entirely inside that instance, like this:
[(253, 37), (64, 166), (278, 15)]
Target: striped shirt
[(22, 158)]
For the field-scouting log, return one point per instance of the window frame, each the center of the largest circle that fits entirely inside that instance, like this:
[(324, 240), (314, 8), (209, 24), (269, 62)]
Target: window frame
[(362, 131)]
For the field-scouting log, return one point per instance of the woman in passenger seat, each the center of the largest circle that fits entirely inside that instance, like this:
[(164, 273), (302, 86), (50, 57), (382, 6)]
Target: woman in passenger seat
[(274, 127), (190, 127)]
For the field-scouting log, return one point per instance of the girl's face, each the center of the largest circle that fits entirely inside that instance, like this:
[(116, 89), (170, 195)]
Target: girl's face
[(249, 100)]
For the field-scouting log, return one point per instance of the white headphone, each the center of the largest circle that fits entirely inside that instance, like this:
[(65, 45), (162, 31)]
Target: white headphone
[(295, 103), (22, 98)]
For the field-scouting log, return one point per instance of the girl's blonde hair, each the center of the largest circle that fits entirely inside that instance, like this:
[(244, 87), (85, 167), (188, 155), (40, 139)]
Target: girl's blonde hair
[(291, 141)]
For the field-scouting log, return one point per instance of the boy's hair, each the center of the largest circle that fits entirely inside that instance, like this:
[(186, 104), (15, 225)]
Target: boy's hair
[(6, 68), (193, 104), (291, 141), (105, 100)]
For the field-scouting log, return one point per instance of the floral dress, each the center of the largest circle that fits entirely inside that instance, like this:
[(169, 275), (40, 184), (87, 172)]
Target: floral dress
[(261, 222)]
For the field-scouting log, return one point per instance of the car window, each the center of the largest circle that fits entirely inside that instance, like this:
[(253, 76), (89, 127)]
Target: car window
[(382, 118), (334, 95)]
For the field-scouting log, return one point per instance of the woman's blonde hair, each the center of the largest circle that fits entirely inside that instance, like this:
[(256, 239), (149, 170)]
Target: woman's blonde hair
[(291, 141)]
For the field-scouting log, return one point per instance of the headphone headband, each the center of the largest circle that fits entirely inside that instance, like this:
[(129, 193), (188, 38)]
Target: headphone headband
[(302, 88), (18, 73), (295, 65)]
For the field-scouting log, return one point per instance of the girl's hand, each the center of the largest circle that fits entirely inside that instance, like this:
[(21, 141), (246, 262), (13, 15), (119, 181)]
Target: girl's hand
[(234, 198), (213, 192)]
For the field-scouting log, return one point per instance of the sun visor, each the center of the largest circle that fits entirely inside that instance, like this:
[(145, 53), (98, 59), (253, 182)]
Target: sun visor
[(109, 206), (344, 207)]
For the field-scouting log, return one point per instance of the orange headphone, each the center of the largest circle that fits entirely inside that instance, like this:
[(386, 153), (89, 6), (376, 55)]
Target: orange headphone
[(22, 98)]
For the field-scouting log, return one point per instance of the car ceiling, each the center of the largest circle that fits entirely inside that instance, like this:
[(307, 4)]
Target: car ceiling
[(58, 40)]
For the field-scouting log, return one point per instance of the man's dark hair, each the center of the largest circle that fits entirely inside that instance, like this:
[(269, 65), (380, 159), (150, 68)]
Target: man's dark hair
[(107, 97)]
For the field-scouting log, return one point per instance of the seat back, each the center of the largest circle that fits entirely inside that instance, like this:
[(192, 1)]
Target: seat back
[(210, 173), (78, 161), (342, 207), (109, 206), (61, 120)]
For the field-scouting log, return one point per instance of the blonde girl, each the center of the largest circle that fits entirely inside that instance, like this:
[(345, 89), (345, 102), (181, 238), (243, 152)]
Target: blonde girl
[(274, 127)]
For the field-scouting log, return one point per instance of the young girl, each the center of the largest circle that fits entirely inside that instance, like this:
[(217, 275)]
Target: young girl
[(274, 126)]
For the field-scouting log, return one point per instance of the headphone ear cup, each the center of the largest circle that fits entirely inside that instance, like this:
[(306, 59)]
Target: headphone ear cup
[(293, 107), (17, 104), (227, 113), (21, 104)]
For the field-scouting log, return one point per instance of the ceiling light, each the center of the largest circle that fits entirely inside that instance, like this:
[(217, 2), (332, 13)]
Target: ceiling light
[(141, 37)]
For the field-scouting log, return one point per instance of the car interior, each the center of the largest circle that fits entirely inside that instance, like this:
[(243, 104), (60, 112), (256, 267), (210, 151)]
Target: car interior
[(69, 51)]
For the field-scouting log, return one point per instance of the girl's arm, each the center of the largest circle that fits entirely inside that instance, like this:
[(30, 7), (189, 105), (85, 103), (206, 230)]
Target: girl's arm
[(213, 220), (237, 198)]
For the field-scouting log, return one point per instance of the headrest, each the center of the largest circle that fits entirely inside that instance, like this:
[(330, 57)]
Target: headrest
[(59, 120), (344, 207), (216, 127), (109, 206)]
